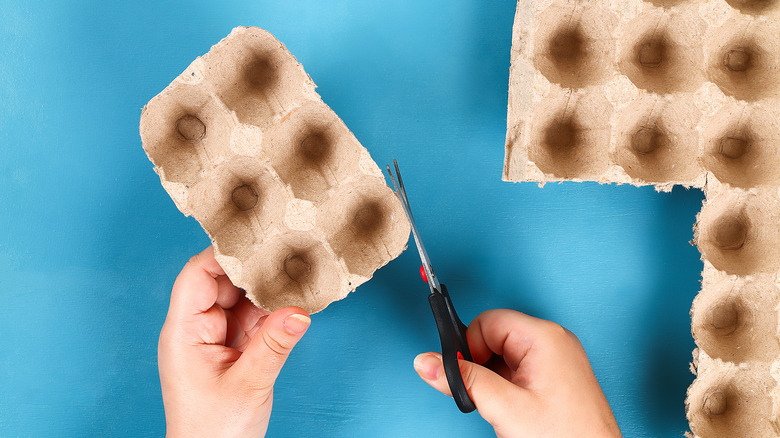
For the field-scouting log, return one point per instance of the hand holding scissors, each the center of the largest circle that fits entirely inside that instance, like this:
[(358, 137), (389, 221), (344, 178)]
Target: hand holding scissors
[(452, 331)]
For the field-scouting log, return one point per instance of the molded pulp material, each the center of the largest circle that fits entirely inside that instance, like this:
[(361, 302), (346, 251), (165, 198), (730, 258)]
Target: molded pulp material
[(298, 212), (667, 92)]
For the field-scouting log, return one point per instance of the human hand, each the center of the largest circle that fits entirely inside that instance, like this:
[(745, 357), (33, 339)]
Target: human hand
[(530, 378), (219, 355)]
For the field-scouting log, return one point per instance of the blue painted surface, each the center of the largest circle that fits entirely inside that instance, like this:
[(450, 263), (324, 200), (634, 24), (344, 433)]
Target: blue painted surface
[(90, 242)]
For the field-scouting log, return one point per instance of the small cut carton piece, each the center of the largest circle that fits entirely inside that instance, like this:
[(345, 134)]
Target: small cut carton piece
[(298, 212)]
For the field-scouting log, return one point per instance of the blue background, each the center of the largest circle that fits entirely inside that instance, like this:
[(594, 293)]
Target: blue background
[(91, 243)]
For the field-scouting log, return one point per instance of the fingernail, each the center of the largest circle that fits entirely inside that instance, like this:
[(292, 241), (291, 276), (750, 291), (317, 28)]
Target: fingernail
[(427, 366), (296, 323)]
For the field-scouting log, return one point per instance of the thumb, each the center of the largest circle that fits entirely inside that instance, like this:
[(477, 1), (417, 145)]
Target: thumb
[(262, 360), (493, 395)]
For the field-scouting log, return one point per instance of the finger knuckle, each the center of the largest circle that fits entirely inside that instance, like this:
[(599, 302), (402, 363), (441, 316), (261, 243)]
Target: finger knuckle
[(164, 334), (571, 335), (469, 374), (276, 345), (259, 392), (562, 336), (555, 330), (495, 313)]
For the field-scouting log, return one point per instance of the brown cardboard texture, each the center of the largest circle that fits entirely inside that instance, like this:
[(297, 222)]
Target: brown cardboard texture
[(666, 92), (298, 212)]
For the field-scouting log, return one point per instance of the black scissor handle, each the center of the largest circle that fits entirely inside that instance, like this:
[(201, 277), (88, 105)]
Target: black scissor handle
[(453, 341)]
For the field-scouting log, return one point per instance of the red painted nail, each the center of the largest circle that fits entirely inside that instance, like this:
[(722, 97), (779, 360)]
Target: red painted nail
[(460, 356), (422, 273)]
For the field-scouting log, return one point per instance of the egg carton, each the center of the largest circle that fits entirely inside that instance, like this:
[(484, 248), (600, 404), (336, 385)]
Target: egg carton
[(664, 93), (298, 212)]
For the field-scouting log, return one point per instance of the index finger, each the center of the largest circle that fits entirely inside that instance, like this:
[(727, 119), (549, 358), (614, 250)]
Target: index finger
[(504, 332), (196, 288)]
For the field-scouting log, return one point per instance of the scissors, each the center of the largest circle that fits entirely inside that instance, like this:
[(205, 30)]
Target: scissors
[(452, 331)]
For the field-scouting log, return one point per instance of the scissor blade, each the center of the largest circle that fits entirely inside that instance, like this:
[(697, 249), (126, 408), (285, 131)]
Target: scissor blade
[(400, 191)]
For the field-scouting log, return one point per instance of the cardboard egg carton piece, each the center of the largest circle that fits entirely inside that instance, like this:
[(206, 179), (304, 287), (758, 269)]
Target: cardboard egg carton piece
[(667, 92), (298, 212)]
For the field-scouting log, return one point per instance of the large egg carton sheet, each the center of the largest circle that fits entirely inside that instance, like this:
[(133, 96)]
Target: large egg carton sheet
[(666, 92), (298, 212)]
